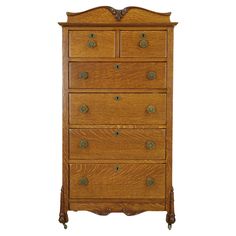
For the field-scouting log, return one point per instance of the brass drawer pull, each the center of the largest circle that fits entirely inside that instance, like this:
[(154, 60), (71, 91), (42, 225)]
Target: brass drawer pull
[(150, 181), (83, 75), (151, 109), (92, 44), (143, 43), (83, 143), (152, 75), (84, 108), (83, 181), (117, 98), (150, 145)]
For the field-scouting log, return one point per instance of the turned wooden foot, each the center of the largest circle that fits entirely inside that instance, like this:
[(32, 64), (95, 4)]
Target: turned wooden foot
[(63, 217), (170, 216)]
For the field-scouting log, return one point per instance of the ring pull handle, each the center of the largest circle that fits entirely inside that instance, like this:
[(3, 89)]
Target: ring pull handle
[(83, 181), (83, 143), (84, 108), (83, 75), (150, 181), (151, 109), (150, 145), (151, 75), (91, 44)]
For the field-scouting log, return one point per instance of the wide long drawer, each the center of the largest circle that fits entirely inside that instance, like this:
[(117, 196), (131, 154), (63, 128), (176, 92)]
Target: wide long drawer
[(117, 75), (117, 108), (91, 144), (143, 181)]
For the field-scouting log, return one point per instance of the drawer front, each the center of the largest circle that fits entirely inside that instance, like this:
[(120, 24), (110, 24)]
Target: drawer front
[(143, 44), (117, 181), (117, 75), (146, 144), (95, 108), (91, 44)]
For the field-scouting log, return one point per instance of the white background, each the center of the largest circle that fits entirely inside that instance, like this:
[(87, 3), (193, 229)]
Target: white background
[(204, 121)]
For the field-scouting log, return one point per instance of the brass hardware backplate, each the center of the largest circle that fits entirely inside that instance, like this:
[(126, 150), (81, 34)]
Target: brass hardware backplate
[(151, 75), (83, 143), (150, 181), (143, 43), (150, 144), (91, 44), (151, 109), (84, 108), (84, 181), (83, 75)]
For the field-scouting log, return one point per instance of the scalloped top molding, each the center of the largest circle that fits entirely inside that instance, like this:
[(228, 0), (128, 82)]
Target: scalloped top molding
[(109, 15)]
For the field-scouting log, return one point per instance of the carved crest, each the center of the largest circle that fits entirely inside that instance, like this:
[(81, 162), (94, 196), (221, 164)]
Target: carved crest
[(118, 13)]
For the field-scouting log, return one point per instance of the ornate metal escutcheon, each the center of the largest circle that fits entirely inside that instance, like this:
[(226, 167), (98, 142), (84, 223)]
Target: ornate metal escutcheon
[(84, 181), (91, 44), (151, 109), (150, 181), (143, 43), (83, 143), (84, 108), (152, 75), (83, 75), (150, 144)]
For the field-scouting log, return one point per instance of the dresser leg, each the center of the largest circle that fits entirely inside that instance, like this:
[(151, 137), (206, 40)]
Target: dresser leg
[(170, 216), (63, 217)]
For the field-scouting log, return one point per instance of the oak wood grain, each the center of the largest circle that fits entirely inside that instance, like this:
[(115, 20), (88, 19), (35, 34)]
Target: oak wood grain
[(129, 44), (141, 206), (106, 14), (105, 44), (130, 109), (117, 75), (117, 34), (106, 182), (117, 144)]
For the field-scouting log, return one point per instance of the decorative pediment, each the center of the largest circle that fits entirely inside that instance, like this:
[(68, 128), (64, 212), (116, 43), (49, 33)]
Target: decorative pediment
[(108, 15)]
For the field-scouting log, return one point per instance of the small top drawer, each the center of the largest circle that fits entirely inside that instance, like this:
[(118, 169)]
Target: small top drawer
[(91, 43), (143, 43)]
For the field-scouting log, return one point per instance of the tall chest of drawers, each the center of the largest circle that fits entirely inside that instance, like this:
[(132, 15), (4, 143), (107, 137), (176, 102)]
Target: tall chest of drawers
[(117, 112)]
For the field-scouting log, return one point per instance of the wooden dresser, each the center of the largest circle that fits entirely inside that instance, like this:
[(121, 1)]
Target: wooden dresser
[(117, 112)]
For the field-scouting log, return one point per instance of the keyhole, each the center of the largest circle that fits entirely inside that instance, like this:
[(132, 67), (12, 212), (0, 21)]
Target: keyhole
[(117, 98), (92, 35), (117, 168), (117, 66), (143, 35)]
